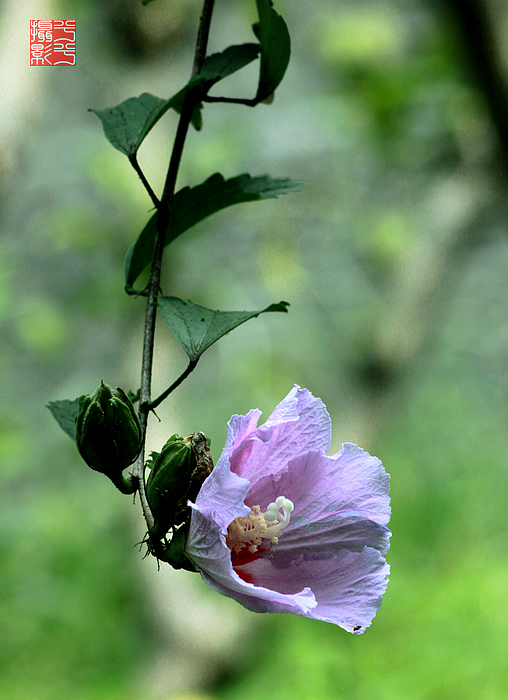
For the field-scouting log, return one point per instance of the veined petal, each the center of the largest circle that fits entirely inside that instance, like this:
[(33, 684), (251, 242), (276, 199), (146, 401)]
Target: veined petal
[(364, 481), (310, 530), (341, 502), (223, 493), (300, 423), (241, 427), (208, 552), (348, 586)]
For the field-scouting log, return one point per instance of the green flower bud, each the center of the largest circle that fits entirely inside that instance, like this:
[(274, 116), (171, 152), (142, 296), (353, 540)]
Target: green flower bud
[(175, 478), (175, 555), (108, 433)]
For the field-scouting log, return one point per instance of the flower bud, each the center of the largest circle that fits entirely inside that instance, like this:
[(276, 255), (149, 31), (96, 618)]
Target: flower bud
[(175, 478), (108, 433)]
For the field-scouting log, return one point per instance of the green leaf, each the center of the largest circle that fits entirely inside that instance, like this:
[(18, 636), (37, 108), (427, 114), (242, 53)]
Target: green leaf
[(220, 65), (134, 396), (193, 204), (197, 328), (215, 68), (65, 412), (140, 254), (273, 35), (126, 125)]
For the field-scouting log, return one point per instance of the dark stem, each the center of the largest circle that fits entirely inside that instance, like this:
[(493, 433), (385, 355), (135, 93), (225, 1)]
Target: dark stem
[(231, 100), (134, 162), (190, 367), (191, 100), (203, 32)]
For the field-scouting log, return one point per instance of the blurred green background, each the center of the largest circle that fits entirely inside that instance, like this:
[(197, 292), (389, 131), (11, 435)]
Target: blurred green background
[(395, 263)]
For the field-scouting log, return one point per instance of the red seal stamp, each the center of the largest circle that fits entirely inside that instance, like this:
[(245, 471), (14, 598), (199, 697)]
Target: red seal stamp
[(53, 42)]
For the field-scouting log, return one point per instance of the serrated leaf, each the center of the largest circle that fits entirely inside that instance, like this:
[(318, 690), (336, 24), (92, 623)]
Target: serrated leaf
[(215, 68), (140, 254), (126, 125), (273, 36), (197, 328), (193, 204), (65, 412), (220, 65)]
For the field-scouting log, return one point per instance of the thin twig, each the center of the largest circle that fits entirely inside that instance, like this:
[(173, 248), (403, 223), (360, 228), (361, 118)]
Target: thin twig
[(191, 100), (190, 367), (202, 40), (232, 100), (134, 162)]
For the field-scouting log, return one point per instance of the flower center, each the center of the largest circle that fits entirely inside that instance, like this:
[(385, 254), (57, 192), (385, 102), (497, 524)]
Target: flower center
[(245, 535)]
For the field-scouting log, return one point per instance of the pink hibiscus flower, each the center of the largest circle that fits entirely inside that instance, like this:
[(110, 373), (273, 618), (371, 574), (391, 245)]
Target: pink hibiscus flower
[(281, 527)]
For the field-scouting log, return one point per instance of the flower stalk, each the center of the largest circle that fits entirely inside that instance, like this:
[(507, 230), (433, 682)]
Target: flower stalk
[(164, 212)]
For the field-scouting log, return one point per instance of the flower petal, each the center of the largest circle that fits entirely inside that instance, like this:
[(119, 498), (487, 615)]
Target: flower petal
[(207, 550), (364, 481), (223, 491), (300, 423), (328, 563), (241, 427), (341, 502), (348, 586)]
